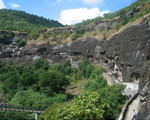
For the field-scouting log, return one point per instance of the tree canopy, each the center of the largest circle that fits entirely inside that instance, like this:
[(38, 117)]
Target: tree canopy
[(13, 20), (42, 85)]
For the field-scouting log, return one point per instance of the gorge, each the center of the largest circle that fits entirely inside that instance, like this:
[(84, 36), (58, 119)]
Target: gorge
[(127, 52)]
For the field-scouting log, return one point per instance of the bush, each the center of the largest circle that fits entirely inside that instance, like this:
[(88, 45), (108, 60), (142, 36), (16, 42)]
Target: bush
[(51, 81), (20, 43), (96, 84), (89, 106), (96, 72), (41, 63), (75, 36), (30, 99), (6, 37), (12, 115)]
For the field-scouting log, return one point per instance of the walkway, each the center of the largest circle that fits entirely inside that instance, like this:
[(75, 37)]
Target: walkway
[(130, 90), (133, 106)]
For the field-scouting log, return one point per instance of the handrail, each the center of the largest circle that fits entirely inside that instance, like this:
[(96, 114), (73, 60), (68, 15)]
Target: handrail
[(125, 107), (4, 107)]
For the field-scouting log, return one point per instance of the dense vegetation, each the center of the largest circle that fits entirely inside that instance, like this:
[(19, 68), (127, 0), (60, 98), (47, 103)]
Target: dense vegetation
[(13, 20), (41, 86), (97, 104), (6, 37)]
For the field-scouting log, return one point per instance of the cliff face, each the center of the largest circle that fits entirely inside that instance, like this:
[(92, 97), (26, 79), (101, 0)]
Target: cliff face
[(127, 52)]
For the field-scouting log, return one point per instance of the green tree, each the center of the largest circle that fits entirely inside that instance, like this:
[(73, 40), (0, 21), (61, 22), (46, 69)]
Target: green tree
[(41, 63), (89, 69), (89, 106), (96, 72), (115, 99), (26, 79), (96, 84), (51, 81), (83, 66), (86, 106), (30, 99), (12, 115)]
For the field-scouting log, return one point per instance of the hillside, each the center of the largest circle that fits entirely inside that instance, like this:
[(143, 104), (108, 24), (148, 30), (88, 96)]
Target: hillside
[(101, 27), (105, 27), (39, 30), (12, 20), (115, 47)]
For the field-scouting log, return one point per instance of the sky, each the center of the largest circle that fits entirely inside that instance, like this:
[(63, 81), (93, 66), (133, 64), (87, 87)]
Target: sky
[(67, 12)]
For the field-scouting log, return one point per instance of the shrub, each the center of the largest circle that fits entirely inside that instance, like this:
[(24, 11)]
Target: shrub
[(89, 106), (75, 36), (96, 84)]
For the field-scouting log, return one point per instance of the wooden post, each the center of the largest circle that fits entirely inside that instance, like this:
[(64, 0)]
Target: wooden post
[(36, 116)]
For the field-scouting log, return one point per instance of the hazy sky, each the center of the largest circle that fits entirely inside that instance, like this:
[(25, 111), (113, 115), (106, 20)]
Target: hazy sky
[(66, 11)]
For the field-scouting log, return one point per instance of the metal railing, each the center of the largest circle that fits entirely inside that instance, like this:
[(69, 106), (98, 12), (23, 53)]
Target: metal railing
[(6, 107)]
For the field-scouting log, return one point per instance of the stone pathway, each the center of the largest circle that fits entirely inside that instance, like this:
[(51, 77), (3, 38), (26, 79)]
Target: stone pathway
[(133, 106), (130, 90)]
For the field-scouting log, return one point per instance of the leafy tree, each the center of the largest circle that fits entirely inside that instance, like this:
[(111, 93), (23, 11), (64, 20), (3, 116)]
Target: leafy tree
[(89, 69), (12, 115), (17, 16), (56, 68), (34, 34), (96, 84), (89, 105), (13, 20), (30, 99), (86, 106), (41, 63), (67, 63), (6, 37), (10, 84), (83, 66), (115, 99), (51, 81), (26, 79), (96, 72)]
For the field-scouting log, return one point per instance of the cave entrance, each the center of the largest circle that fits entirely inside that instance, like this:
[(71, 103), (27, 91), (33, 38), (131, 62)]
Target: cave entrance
[(135, 77)]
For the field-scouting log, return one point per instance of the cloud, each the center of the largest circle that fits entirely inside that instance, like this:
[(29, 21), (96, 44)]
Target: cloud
[(93, 2), (2, 4), (13, 5), (73, 16)]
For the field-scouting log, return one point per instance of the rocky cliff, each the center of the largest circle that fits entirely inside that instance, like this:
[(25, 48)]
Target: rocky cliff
[(127, 52)]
